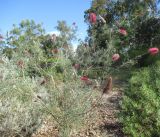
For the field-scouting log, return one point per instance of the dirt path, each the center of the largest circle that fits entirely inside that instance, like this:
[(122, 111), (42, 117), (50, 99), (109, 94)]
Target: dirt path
[(109, 111), (107, 124)]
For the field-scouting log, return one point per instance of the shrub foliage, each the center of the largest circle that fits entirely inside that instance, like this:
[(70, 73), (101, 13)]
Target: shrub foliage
[(140, 106)]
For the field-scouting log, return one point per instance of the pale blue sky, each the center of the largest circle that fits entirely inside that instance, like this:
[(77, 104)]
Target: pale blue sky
[(44, 11)]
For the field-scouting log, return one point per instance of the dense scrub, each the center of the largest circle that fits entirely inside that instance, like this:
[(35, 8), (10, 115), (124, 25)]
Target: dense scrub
[(38, 80), (141, 103), (20, 111)]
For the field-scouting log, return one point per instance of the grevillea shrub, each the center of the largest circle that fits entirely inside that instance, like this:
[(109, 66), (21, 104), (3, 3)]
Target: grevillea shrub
[(70, 101), (69, 106), (20, 111), (141, 104)]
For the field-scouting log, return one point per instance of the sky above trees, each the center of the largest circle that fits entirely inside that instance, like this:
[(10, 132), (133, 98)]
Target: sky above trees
[(47, 12)]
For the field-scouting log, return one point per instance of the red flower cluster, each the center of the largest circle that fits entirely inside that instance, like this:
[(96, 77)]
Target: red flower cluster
[(123, 31), (115, 57), (84, 78), (153, 51), (92, 18)]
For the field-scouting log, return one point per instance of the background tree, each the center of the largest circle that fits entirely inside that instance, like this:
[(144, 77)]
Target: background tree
[(61, 42), (27, 31), (24, 43), (133, 17)]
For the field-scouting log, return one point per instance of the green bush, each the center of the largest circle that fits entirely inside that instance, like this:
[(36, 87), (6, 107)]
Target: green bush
[(140, 113), (20, 111)]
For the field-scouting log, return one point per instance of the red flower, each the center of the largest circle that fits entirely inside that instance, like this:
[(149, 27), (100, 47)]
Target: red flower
[(92, 18), (153, 51), (84, 78), (123, 31), (115, 57)]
